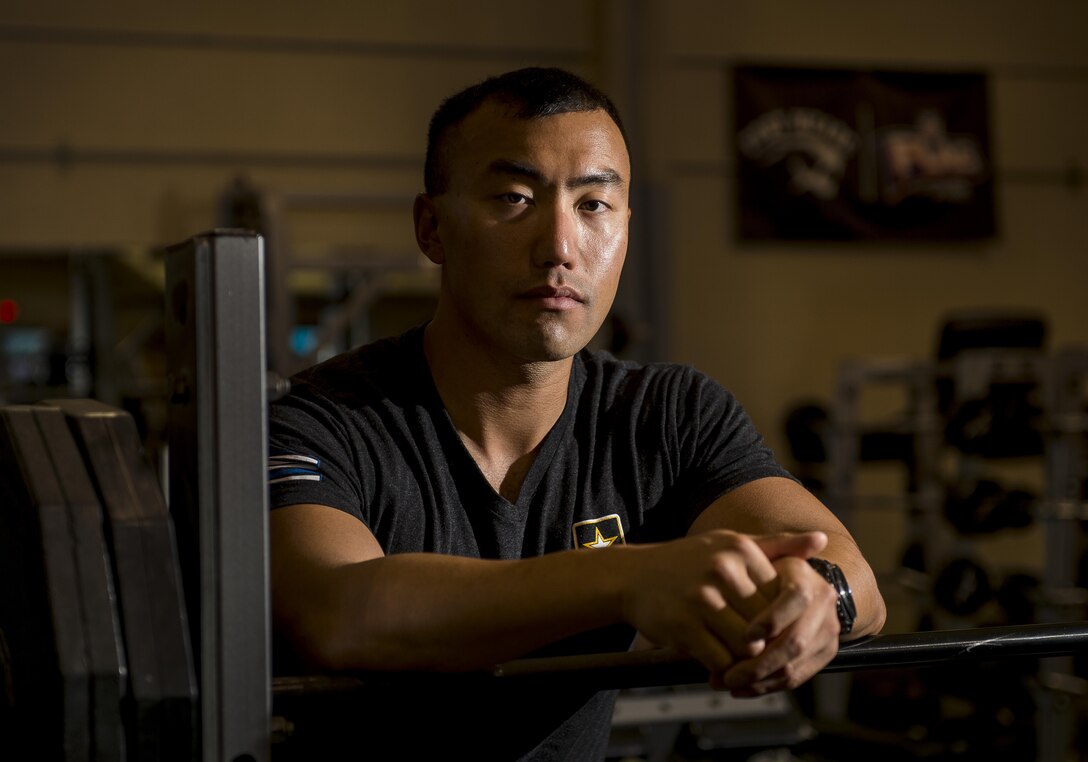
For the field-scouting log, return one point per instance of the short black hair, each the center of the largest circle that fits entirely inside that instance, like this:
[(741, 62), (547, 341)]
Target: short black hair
[(530, 93)]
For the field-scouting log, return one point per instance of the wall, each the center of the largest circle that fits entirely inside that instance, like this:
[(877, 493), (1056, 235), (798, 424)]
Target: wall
[(123, 123)]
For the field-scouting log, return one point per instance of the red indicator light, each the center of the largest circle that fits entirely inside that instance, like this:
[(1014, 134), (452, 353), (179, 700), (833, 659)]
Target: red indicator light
[(9, 311)]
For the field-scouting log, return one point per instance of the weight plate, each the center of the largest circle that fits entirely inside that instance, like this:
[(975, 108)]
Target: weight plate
[(48, 713), (101, 623), (165, 711), (962, 587)]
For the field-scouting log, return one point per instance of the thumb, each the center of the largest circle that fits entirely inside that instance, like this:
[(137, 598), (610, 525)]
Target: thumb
[(797, 544)]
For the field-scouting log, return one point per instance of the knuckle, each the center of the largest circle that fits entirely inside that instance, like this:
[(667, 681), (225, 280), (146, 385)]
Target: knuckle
[(794, 645), (707, 597), (802, 594), (725, 567), (793, 676), (721, 537), (746, 546), (790, 674)]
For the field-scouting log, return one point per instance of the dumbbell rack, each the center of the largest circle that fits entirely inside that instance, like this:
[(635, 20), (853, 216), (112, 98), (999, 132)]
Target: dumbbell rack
[(1063, 425)]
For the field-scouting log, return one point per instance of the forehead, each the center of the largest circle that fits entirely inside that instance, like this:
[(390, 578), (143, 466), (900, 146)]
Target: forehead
[(570, 143)]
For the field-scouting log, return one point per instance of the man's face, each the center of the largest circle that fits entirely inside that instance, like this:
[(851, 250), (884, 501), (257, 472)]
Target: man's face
[(531, 231)]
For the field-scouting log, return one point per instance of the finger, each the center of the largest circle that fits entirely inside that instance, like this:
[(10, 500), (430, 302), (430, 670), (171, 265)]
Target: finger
[(772, 660), (797, 544), (786, 678), (800, 545), (740, 584), (776, 682), (799, 590), (728, 622), (732, 630), (711, 653), (794, 656), (745, 575)]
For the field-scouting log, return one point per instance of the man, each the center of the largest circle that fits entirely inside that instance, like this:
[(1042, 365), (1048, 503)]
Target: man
[(482, 489)]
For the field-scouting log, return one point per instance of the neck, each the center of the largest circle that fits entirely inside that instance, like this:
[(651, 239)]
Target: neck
[(497, 403), (502, 409)]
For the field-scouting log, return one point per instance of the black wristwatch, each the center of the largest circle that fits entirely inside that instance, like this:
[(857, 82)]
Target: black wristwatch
[(844, 603)]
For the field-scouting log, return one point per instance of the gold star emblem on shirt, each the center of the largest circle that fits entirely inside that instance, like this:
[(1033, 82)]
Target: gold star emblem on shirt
[(599, 541)]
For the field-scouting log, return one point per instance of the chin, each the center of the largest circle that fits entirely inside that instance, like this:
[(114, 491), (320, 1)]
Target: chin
[(553, 348), (550, 340)]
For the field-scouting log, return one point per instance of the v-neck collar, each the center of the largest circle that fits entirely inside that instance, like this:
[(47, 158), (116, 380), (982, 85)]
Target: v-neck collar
[(456, 450)]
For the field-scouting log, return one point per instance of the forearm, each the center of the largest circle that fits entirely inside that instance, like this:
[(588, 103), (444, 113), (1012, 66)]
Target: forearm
[(436, 612), (446, 613)]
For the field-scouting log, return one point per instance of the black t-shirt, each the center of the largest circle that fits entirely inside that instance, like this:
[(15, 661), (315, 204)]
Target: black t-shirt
[(638, 453)]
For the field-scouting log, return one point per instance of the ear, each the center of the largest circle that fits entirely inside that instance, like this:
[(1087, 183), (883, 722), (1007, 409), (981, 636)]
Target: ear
[(426, 221)]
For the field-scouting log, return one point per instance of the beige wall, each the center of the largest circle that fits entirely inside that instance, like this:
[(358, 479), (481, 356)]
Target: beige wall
[(160, 109)]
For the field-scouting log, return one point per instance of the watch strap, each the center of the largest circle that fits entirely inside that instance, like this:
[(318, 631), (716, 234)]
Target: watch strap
[(844, 598)]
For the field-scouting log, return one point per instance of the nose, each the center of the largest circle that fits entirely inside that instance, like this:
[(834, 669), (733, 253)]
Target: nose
[(557, 238)]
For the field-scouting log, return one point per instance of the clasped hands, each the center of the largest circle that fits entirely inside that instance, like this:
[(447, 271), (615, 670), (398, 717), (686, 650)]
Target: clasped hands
[(748, 607)]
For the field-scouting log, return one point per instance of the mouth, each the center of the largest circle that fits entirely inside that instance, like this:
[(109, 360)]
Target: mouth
[(554, 297), (553, 292)]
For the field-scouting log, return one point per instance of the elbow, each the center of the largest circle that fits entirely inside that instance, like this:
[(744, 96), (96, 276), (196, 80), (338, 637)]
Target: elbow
[(329, 634), (309, 624), (877, 618), (309, 637), (873, 614)]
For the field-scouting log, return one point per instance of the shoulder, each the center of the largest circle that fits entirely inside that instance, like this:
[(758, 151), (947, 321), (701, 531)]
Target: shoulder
[(367, 372), (609, 376)]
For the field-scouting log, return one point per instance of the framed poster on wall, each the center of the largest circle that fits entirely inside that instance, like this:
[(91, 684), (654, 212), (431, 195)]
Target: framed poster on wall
[(835, 154)]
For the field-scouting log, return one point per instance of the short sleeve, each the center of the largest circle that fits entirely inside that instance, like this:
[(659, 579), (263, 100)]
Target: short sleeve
[(724, 449), (310, 456)]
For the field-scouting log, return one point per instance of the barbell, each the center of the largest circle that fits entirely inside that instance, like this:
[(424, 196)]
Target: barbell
[(661, 667)]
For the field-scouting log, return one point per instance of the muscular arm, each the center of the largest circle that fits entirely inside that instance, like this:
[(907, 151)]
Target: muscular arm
[(343, 604)]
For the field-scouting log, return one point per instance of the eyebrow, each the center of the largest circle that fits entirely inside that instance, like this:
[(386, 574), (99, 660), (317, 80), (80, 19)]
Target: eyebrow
[(510, 167)]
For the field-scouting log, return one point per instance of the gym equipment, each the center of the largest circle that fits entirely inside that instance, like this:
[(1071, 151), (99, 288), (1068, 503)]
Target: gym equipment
[(664, 667), (989, 507), (962, 587), (163, 698), (215, 334), (986, 388), (1018, 597), (1000, 425), (808, 428), (101, 554), (48, 674), (218, 393)]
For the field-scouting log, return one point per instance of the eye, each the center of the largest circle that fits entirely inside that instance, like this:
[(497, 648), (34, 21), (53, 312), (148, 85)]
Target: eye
[(594, 205), (514, 199)]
